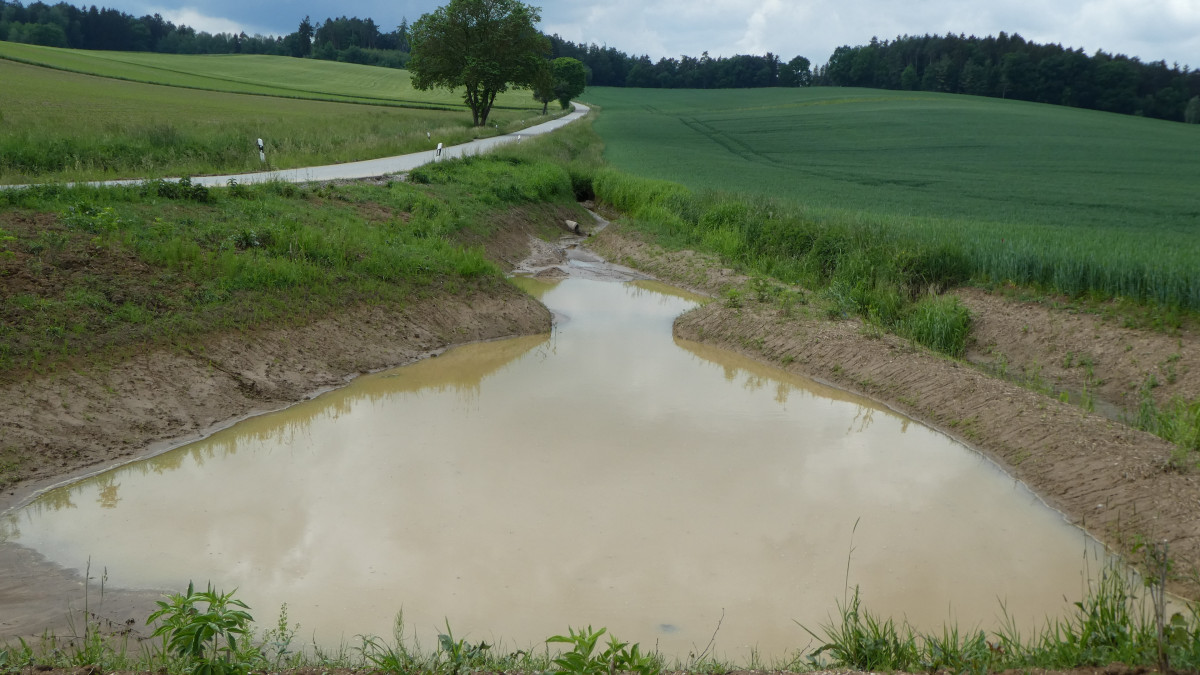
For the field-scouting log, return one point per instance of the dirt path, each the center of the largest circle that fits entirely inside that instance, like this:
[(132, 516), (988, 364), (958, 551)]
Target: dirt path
[(1108, 478)]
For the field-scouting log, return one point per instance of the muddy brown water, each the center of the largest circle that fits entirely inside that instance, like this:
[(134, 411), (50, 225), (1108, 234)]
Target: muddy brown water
[(606, 474)]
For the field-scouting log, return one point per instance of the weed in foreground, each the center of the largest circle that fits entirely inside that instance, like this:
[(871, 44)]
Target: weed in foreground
[(616, 656), (866, 642), (203, 628), (209, 633)]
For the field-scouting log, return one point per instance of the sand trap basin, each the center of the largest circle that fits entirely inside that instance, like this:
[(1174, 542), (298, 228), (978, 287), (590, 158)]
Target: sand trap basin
[(606, 475)]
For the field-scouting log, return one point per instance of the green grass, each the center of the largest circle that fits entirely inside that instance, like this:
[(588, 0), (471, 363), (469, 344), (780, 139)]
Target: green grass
[(1073, 201), (1176, 420), (911, 154), (861, 268), (89, 272), (59, 125), (1112, 624), (257, 74)]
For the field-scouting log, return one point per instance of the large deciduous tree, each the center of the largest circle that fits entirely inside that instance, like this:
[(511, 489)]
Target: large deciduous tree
[(543, 85), (483, 46), (570, 79)]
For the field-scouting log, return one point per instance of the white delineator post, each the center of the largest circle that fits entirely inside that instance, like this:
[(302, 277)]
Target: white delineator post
[(262, 153)]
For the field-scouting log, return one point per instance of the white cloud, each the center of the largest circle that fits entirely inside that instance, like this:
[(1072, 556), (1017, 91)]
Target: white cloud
[(188, 16)]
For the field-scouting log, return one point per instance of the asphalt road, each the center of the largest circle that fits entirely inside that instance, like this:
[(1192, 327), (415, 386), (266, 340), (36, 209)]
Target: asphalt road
[(369, 168)]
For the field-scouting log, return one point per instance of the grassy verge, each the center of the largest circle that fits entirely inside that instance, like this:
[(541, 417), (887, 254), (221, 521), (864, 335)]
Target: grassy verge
[(90, 272), (1109, 626), (211, 633), (862, 268)]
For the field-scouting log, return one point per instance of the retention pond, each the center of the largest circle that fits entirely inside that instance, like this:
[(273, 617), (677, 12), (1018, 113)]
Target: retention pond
[(606, 474)]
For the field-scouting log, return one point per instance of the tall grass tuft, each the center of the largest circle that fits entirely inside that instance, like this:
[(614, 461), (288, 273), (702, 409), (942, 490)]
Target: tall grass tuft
[(865, 642), (1110, 625), (1177, 421), (941, 323)]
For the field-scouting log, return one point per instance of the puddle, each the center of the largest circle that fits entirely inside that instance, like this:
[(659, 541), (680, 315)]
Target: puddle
[(605, 475)]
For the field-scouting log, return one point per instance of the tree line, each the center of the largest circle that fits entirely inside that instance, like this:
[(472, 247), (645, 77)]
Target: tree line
[(609, 67), (1007, 66), (64, 25)]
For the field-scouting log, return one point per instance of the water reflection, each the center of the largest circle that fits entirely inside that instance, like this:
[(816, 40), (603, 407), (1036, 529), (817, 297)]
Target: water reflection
[(608, 474), (753, 375)]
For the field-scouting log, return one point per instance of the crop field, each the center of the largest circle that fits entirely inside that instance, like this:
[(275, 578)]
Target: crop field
[(256, 74), (1077, 201), (59, 125)]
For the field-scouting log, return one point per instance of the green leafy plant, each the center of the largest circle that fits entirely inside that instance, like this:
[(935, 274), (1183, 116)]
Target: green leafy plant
[(90, 218), (457, 655), (184, 189), (276, 644), (6, 240), (16, 659), (733, 298), (385, 657), (203, 628), (617, 655)]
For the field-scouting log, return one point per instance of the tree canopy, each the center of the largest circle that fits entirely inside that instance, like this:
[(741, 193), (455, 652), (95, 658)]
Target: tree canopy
[(1008, 66), (483, 46), (570, 79)]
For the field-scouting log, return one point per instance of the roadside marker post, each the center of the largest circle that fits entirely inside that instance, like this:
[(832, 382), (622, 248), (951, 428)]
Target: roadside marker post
[(262, 153), (438, 153)]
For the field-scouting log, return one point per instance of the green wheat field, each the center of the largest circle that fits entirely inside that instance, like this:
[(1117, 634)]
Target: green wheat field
[(1074, 199)]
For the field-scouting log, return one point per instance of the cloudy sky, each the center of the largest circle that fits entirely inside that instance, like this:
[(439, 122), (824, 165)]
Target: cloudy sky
[(1150, 29)]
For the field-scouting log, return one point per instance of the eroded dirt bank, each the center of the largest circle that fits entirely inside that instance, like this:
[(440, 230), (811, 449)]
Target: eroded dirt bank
[(78, 421), (81, 422), (73, 423), (1113, 480)]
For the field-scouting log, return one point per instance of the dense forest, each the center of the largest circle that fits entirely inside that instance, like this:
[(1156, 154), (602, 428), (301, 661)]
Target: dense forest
[(608, 67), (1011, 67), (64, 25), (1003, 66)]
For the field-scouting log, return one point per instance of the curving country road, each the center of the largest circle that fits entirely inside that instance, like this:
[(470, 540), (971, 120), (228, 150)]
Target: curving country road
[(368, 168)]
